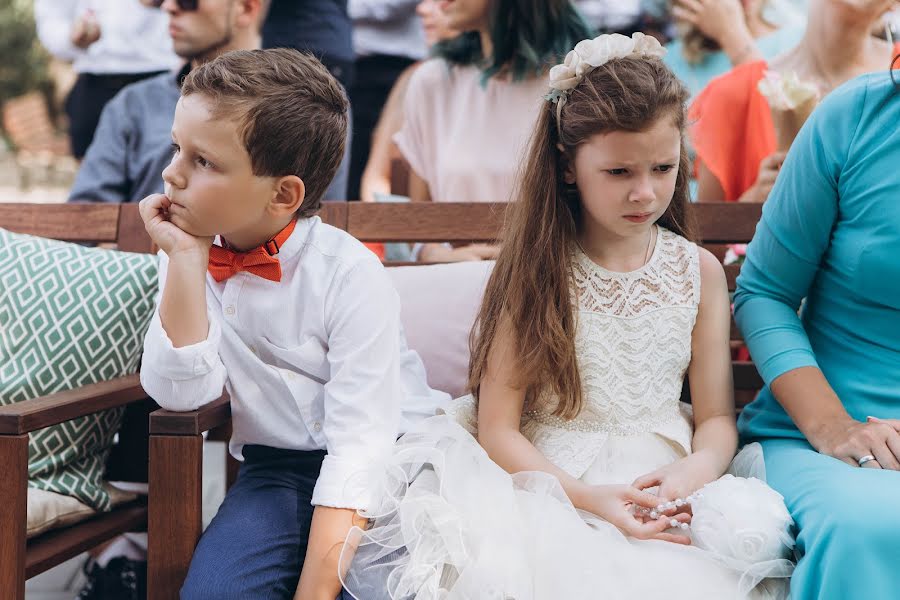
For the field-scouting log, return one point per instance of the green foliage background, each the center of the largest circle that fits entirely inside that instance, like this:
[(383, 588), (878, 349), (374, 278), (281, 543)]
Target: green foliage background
[(23, 61)]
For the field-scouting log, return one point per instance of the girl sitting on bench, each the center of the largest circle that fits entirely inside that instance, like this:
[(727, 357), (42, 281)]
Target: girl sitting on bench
[(591, 479)]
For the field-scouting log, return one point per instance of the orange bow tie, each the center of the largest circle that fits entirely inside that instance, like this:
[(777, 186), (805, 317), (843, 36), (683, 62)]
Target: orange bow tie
[(261, 261)]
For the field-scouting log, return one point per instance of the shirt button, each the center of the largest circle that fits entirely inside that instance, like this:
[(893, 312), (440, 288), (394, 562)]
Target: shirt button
[(229, 310), (317, 426)]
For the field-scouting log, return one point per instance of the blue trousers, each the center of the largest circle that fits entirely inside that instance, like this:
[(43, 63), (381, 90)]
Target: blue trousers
[(255, 546), (847, 519)]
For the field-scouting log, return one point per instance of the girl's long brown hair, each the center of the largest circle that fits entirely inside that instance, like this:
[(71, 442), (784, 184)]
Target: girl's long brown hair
[(529, 291)]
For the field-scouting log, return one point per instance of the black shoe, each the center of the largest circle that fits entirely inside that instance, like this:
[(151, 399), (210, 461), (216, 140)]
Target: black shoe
[(121, 579)]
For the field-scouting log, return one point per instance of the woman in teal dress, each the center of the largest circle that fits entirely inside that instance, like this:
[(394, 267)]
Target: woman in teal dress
[(830, 234)]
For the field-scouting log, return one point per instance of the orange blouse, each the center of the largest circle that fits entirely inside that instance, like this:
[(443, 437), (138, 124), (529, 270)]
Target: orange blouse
[(732, 129)]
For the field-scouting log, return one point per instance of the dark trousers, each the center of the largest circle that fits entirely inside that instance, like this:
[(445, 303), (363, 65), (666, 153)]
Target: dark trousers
[(256, 544), (86, 101), (375, 76)]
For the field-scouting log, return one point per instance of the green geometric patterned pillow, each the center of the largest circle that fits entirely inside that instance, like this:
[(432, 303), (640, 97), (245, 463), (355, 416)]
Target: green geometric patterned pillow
[(70, 316)]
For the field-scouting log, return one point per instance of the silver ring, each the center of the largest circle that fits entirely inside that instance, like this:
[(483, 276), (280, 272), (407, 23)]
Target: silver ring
[(865, 459)]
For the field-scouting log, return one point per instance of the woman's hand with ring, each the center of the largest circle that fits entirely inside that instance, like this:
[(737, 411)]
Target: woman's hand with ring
[(851, 441)]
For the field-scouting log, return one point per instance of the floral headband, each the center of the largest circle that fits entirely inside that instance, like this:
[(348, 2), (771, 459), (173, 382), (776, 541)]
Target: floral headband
[(590, 54)]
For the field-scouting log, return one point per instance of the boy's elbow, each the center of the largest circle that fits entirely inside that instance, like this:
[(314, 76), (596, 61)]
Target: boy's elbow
[(160, 391), (176, 396)]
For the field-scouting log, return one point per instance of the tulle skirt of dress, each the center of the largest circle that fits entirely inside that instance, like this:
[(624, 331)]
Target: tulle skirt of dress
[(450, 524)]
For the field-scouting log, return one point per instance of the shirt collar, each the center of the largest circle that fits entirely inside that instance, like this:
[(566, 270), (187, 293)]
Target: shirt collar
[(295, 242)]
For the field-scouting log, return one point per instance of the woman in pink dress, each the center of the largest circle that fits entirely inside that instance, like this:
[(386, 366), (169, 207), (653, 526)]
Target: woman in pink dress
[(469, 111)]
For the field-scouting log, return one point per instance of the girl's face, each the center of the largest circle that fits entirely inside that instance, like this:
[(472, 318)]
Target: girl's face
[(626, 180), (435, 22), (466, 15)]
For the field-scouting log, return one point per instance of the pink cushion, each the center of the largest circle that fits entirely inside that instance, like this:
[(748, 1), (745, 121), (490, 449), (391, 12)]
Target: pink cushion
[(439, 304)]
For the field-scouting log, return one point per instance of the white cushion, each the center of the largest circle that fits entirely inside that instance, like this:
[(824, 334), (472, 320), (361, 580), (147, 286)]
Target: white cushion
[(439, 304), (49, 510)]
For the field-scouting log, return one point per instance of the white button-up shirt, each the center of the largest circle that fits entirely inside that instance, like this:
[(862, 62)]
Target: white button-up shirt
[(133, 38), (315, 361)]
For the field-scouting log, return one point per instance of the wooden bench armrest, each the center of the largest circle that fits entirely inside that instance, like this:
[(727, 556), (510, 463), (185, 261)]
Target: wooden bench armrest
[(37, 413), (195, 422)]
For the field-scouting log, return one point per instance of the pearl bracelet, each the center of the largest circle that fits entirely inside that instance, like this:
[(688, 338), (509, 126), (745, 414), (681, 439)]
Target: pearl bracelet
[(660, 510)]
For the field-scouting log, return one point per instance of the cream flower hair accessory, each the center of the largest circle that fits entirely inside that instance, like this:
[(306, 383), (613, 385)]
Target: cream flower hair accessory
[(590, 54)]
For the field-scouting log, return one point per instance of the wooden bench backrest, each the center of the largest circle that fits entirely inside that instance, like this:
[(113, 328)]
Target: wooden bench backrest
[(118, 224), (719, 224)]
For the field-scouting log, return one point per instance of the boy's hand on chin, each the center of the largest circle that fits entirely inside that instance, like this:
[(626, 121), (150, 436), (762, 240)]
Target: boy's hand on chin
[(169, 237)]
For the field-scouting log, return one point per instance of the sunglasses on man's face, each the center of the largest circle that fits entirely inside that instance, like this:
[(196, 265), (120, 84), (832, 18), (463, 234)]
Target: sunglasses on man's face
[(182, 4)]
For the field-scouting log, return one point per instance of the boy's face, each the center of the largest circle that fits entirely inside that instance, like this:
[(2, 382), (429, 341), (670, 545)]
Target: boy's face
[(210, 180)]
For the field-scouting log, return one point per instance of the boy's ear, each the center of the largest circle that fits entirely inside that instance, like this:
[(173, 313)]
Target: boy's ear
[(288, 194), (566, 165)]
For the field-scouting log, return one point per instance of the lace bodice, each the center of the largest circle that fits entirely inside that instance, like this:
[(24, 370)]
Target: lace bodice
[(633, 341)]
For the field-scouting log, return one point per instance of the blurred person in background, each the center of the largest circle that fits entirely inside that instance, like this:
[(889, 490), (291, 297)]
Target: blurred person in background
[(387, 38), (608, 16), (469, 111), (322, 28), (713, 36), (133, 145), (376, 178), (739, 154), (98, 38)]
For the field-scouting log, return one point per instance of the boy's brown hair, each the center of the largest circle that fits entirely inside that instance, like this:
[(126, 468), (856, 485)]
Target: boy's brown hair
[(292, 113)]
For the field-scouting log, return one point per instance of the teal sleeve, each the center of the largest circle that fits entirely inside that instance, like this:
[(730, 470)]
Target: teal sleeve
[(793, 236)]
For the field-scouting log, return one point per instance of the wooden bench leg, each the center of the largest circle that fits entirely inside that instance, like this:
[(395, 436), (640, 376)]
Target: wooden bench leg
[(13, 516), (175, 511)]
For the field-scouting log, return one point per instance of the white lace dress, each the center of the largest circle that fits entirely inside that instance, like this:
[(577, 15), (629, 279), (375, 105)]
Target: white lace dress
[(451, 524)]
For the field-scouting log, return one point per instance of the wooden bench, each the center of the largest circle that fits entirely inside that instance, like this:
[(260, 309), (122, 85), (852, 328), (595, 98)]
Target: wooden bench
[(175, 445), (20, 558), (175, 523)]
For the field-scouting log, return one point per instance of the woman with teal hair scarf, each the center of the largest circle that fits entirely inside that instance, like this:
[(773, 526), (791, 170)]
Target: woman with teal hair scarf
[(829, 417)]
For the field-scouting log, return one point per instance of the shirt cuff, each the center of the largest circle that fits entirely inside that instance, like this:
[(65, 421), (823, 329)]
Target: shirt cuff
[(344, 483), (180, 364)]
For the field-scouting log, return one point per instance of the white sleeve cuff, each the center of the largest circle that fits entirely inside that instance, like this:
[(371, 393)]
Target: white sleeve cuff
[(180, 364), (344, 483)]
